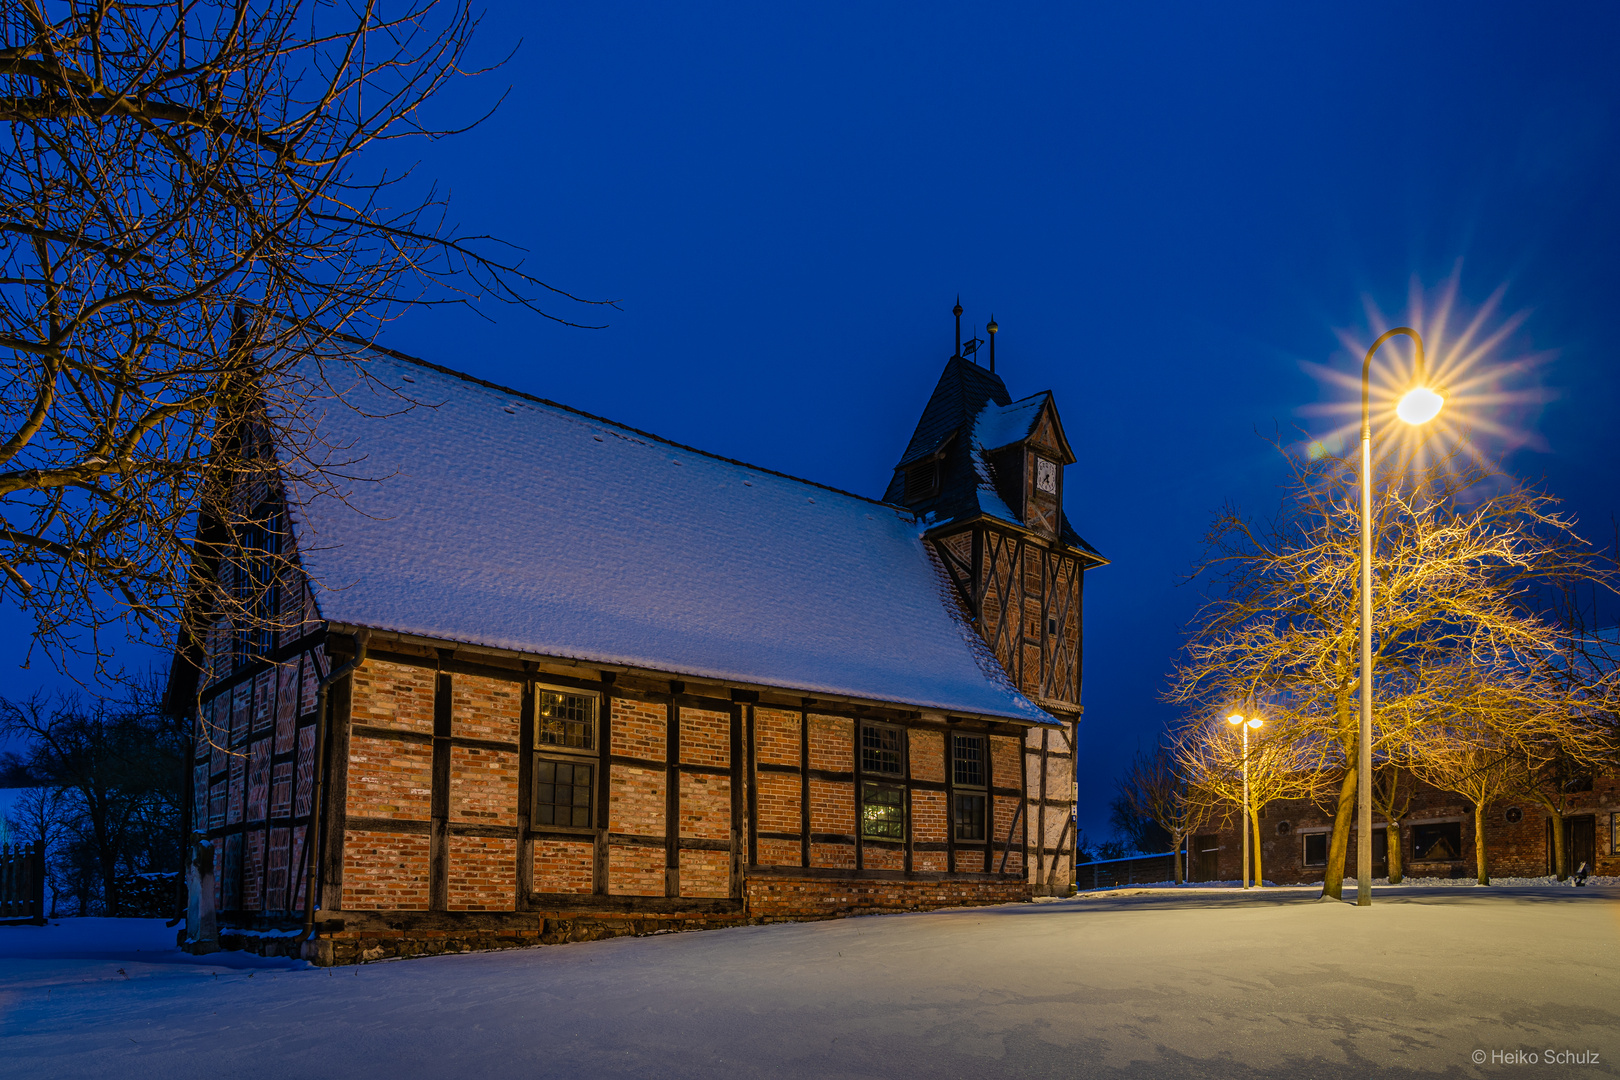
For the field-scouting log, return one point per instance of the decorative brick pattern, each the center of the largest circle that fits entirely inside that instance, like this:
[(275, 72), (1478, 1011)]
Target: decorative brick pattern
[(389, 779), (705, 873), (483, 708), (563, 866), (929, 821), (275, 893), (776, 736), (483, 785), (258, 780), (635, 870), (264, 685), (832, 743), (705, 808), (779, 853), (481, 874), (253, 872), (705, 737), (287, 704), (238, 786), (778, 800), (882, 858), (928, 756), (640, 729), (281, 789), (836, 856), (384, 871), (636, 804), (393, 696), (832, 807)]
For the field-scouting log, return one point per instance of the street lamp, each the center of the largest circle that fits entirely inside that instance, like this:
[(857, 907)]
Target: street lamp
[(1244, 725), (1419, 405)]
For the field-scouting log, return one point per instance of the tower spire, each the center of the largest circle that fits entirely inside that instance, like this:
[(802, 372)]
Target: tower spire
[(991, 329), (957, 311)]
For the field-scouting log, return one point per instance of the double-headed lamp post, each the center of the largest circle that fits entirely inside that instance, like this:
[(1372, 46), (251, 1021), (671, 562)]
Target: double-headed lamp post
[(1418, 405), (1244, 724)]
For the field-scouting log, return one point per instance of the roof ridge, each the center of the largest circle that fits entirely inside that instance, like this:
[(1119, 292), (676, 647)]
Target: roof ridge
[(464, 377)]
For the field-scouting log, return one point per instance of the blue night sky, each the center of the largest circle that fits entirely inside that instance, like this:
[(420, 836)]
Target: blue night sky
[(1170, 209)]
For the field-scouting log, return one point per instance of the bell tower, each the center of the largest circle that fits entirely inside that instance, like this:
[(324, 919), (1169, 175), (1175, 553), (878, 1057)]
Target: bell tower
[(985, 474)]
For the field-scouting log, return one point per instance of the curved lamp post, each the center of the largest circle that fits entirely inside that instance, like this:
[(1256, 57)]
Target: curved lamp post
[(1419, 405), (1244, 725)]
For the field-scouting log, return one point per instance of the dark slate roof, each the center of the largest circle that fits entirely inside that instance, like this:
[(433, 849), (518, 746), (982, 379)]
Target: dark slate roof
[(969, 415), (505, 520)]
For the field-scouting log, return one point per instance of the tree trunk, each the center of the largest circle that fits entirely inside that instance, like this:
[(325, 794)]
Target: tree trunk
[(1259, 878), (1479, 846), (1179, 840), (1560, 856), (1333, 876), (1392, 845)]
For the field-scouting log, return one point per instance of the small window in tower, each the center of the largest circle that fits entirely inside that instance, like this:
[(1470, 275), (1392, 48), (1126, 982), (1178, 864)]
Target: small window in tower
[(922, 481), (1046, 476)]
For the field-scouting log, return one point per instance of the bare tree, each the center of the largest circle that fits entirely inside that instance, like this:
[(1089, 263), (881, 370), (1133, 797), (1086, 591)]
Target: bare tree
[(1460, 551), (187, 215), (1154, 789), (115, 772)]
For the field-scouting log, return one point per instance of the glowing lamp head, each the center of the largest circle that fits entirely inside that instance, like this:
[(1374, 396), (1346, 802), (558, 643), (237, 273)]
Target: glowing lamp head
[(1420, 405), (1255, 721), (1234, 719)]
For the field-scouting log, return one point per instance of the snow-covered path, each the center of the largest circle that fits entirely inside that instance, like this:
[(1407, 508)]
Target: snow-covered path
[(1198, 985)]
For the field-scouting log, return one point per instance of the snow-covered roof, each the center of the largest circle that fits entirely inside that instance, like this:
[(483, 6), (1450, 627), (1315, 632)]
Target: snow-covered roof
[(503, 520), (1003, 425)]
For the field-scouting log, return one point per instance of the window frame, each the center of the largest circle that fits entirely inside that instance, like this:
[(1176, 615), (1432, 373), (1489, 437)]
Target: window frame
[(899, 772), (543, 747), (921, 480), (869, 787), (960, 790), (1454, 823), (573, 756), (1305, 839)]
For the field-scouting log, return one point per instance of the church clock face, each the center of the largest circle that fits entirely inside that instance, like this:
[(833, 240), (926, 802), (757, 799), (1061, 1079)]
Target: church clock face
[(1046, 476)]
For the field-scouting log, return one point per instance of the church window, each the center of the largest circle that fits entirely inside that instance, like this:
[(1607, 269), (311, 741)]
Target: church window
[(883, 811), (968, 795), (565, 720), (881, 750), (562, 793)]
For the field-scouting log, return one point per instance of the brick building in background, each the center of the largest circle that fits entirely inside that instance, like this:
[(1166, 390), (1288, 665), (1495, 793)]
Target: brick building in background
[(1436, 837), (582, 681)]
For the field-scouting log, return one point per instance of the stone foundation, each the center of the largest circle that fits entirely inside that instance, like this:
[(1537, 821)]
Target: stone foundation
[(361, 937)]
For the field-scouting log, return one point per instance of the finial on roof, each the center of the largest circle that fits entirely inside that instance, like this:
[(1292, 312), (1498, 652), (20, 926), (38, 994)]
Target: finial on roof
[(957, 311), (991, 328)]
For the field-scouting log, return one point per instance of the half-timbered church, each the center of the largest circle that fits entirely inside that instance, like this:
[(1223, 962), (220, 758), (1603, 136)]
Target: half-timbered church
[(550, 678)]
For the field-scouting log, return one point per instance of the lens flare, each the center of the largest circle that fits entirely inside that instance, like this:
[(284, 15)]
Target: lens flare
[(1419, 406), (1479, 394)]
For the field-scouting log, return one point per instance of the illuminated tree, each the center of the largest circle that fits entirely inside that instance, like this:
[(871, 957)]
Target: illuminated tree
[(1284, 762), (1459, 555)]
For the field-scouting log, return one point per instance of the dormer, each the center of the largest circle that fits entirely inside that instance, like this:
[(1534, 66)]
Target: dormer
[(1024, 448)]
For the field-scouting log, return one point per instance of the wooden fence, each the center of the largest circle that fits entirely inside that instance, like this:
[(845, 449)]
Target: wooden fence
[(22, 883), (1135, 870)]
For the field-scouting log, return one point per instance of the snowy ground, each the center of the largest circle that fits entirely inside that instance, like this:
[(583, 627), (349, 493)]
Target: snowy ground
[(1153, 984)]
